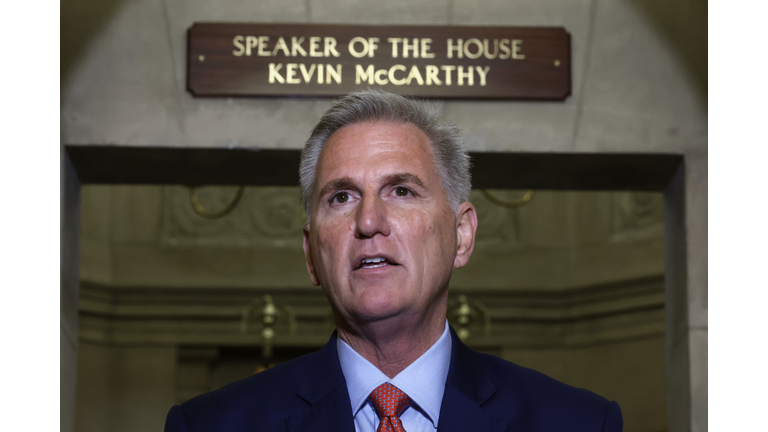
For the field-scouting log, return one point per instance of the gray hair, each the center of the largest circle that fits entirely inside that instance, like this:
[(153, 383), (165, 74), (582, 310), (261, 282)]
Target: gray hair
[(451, 157)]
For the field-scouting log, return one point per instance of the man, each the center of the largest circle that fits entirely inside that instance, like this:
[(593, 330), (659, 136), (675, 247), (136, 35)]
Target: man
[(385, 186)]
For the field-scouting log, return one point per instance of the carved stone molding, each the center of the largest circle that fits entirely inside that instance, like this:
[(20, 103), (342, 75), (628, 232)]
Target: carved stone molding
[(521, 318), (266, 217), (498, 227), (269, 217), (637, 215)]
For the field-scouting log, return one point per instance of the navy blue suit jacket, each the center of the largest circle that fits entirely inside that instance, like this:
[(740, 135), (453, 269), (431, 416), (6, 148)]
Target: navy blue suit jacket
[(482, 393)]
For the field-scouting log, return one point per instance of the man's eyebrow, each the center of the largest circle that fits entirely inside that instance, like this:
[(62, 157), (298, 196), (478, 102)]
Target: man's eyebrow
[(336, 184), (404, 178), (347, 183)]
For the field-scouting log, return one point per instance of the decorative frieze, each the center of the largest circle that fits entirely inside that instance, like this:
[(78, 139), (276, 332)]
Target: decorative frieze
[(637, 215), (265, 217), (519, 318)]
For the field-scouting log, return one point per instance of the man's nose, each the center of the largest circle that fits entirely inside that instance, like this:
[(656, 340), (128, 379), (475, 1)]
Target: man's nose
[(371, 218)]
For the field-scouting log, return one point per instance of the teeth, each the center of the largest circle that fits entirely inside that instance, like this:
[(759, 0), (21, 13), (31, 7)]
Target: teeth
[(373, 260)]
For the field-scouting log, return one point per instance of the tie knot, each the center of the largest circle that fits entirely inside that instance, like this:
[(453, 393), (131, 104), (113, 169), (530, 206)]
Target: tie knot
[(389, 401)]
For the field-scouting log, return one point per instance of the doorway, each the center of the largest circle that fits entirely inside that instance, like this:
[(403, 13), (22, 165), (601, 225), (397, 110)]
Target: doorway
[(556, 172)]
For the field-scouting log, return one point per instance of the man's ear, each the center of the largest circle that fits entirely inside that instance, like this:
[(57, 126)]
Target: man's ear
[(466, 227), (308, 257)]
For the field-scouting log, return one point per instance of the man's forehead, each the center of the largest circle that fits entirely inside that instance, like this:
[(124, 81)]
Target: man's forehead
[(367, 139), (380, 147)]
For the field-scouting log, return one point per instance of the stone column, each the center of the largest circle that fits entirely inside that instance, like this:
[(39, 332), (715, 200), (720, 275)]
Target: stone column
[(686, 273), (69, 230)]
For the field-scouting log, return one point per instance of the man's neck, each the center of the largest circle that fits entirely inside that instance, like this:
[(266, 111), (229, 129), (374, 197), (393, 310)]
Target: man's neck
[(392, 344)]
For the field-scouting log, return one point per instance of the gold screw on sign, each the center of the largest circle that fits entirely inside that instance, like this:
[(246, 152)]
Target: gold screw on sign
[(557, 63), (201, 58)]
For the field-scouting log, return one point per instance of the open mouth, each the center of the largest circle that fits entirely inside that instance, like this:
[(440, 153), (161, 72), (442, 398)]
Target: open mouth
[(374, 262)]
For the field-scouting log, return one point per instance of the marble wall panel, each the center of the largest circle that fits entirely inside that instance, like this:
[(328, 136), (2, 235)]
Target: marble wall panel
[(434, 12), (638, 92), (634, 91), (69, 293), (631, 92), (631, 373), (125, 389), (558, 239)]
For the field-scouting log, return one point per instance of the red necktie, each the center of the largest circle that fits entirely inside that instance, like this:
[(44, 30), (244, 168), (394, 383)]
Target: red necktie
[(389, 402)]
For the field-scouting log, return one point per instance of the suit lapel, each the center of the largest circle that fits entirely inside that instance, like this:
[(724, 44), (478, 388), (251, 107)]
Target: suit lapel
[(467, 388), (325, 389)]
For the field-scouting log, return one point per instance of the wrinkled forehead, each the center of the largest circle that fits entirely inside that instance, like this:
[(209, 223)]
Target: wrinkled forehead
[(376, 145)]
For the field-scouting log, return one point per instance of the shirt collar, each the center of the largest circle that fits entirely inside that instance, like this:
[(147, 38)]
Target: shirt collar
[(423, 380)]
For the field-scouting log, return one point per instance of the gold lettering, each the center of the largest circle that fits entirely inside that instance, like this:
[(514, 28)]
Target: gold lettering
[(391, 74), (290, 74), (330, 47), (358, 54), (504, 46), (307, 75), (363, 75), (273, 73), (482, 72), (394, 42), (488, 51), (456, 48), (479, 48), (516, 49), (448, 69), (432, 72), (425, 47), (281, 45), (238, 41), (296, 46), (320, 75), (379, 79), (460, 75), (414, 47), (250, 42), (373, 45), (314, 47), (331, 73), (263, 40), (415, 74)]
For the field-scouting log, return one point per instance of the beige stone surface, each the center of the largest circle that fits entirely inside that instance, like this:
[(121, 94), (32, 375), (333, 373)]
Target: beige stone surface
[(124, 389), (150, 236), (699, 380), (69, 295), (639, 86), (631, 91), (68, 363), (631, 373)]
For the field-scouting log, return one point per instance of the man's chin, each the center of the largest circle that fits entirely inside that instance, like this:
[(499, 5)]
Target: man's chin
[(378, 314)]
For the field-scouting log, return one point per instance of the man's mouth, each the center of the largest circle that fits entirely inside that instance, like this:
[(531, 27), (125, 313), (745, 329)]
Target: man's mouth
[(374, 262)]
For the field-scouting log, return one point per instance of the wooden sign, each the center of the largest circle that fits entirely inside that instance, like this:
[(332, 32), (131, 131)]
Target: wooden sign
[(507, 63)]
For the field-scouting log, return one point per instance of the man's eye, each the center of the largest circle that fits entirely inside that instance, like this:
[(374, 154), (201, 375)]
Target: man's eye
[(340, 197), (402, 191)]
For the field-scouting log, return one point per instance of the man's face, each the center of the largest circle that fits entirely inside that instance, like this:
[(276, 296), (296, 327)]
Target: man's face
[(383, 238)]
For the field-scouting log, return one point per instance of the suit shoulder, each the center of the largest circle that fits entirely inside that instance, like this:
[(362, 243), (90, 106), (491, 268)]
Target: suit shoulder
[(545, 399), (272, 391), (535, 384)]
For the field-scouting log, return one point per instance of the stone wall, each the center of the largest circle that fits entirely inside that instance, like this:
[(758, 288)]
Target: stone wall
[(635, 87), (639, 86), (572, 283)]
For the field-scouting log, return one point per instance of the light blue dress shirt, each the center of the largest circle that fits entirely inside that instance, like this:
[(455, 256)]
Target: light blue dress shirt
[(423, 381)]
